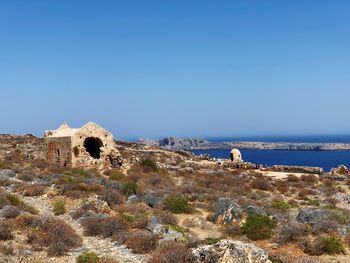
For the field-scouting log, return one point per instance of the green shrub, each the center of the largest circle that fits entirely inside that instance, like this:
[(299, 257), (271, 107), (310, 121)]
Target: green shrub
[(329, 245), (149, 163), (280, 204), (14, 199), (87, 257), (115, 176), (258, 227), (212, 241), (17, 201), (130, 188), (275, 259), (59, 207), (176, 204), (178, 229)]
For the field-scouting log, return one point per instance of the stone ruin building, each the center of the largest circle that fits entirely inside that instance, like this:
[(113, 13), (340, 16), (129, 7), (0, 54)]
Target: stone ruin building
[(236, 156), (90, 146)]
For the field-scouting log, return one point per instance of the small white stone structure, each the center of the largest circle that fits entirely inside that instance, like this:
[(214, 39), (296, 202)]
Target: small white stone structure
[(90, 146), (236, 156)]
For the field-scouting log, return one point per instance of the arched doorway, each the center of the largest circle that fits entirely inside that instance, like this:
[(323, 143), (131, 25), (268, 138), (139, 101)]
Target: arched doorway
[(93, 147)]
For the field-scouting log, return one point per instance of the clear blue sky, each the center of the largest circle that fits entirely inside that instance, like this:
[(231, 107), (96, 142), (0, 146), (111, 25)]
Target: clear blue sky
[(181, 68)]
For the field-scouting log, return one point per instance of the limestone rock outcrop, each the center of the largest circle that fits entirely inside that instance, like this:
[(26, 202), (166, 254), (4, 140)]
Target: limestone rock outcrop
[(226, 210), (311, 215), (229, 251)]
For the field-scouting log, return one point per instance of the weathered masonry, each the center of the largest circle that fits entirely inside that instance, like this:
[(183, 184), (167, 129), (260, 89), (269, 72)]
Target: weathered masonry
[(90, 146)]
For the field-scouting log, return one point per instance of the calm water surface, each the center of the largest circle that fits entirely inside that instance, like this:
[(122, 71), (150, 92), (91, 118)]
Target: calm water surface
[(325, 159)]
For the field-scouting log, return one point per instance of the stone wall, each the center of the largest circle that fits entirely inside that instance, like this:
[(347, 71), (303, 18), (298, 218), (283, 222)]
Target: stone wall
[(90, 146), (59, 151), (82, 158)]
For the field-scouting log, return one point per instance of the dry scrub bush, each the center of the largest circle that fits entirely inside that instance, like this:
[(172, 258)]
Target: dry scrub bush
[(6, 249), (17, 201), (261, 184), (26, 175), (166, 218), (105, 226), (5, 230), (57, 236), (232, 230), (324, 226), (90, 187), (325, 244), (10, 212), (113, 197), (292, 232), (293, 178), (25, 221), (141, 241), (303, 193), (3, 199), (115, 175), (33, 190), (309, 179), (77, 213), (135, 214), (172, 252), (282, 186)]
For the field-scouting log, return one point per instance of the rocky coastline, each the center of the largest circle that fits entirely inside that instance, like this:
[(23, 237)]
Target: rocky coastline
[(202, 144)]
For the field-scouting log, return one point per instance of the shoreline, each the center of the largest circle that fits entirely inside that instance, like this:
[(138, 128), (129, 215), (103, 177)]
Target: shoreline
[(199, 144)]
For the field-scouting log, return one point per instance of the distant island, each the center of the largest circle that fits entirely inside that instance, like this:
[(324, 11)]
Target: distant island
[(202, 144)]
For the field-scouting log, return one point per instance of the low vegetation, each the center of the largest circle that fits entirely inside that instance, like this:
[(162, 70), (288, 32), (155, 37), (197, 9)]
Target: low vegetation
[(59, 207), (161, 205), (258, 227), (176, 204)]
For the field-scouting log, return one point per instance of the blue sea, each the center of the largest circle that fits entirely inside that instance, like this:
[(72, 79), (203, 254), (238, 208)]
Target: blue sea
[(325, 159)]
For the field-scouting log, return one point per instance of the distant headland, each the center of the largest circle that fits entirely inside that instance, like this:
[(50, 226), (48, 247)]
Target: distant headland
[(202, 144)]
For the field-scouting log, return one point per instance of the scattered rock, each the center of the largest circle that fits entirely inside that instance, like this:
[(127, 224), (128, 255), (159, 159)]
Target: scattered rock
[(196, 221), (101, 205), (133, 199), (154, 226), (152, 200), (226, 210), (4, 178), (311, 215), (7, 172), (230, 251), (253, 210), (341, 197), (165, 231)]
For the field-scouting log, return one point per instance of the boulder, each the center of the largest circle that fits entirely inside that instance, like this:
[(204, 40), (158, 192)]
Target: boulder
[(164, 231), (133, 199), (226, 210), (4, 178), (253, 210), (154, 226), (101, 205), (196, 221), (311, 215), (152, 200), (229, 251), (7, 172)]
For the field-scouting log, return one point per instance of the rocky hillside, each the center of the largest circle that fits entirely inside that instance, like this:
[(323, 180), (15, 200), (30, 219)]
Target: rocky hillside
[(165, 206), (200, 144)]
